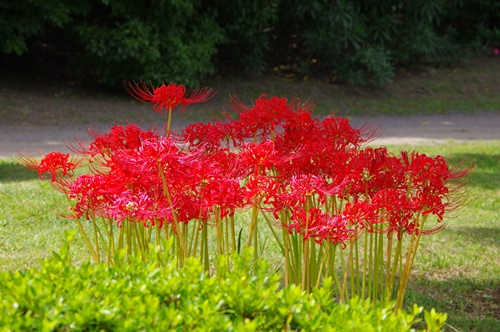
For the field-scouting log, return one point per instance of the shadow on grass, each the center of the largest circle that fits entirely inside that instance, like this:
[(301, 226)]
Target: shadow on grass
[(481, 235), (10, 171), (470, 306), (486, 173)]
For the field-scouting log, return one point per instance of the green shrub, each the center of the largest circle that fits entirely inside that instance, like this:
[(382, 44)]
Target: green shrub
[(23, 20), (171, 41), (363, 41), (136, 296), (357, 41), (475, 21), (247, 26)]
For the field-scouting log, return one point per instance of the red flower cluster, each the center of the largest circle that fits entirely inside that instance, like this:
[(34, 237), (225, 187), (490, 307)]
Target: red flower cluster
[(275, 157)]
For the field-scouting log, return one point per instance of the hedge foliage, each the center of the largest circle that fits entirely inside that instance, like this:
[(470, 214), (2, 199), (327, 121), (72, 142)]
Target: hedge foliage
[(137, 296), (354, 41)]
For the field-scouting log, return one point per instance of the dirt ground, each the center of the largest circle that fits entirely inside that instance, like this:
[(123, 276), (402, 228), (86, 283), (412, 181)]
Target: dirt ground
[(393, 130)]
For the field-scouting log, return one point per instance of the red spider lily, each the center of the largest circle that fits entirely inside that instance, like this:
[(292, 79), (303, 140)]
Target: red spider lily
[(223, 163), (433, 183), (301, 220), (334, 229), (207, 135), (92, 194), (339, 132), (144, 161), (262, 118), (55, 163), (311, 152), (361, 215), (264, 189), (373, 169), (400, 212), (260, 157), (314, 223), (396, 210), (186, 207), (296, 132), (119, 138), (328, 148), (425, 171), (295, 162), (137, 207), (430, 203), (168, 96), (312, 175), (225, 195), (304, 185), (212, 181)]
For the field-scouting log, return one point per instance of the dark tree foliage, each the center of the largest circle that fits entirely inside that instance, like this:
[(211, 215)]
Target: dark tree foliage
[(354, 41)]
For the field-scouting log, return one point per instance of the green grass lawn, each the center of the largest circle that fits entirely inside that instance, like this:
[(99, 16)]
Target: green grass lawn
[(457, 271)]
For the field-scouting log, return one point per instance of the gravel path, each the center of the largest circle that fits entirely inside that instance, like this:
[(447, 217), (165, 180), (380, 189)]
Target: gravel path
[(398, 130), (436, 129)]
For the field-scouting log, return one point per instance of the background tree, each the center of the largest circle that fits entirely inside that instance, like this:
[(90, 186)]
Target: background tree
[(354, 41)]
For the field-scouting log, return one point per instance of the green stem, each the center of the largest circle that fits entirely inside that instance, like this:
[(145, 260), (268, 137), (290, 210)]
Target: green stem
[(305, 253), (233, 234), (412, 251), (204, 249), (331, 267), (179, 232), (351, 269), (286, 250), (398, 257), (321, 262), (370, 266), (388, 287), (305, 267), (276, 237), (193, 245), (219, 232), (169, 121), (82, 230), (121, 237), (356, 268), (345, 269), (96, 239), (253, 236), (296, 250), (365, 262), (379, 264), (313, 269), (111, 245)]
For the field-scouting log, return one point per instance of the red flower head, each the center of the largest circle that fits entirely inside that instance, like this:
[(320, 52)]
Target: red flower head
[(333, 229), (261, 119), (260, 157), (91, 194), (168, 96), (55, 163), (137, 207)]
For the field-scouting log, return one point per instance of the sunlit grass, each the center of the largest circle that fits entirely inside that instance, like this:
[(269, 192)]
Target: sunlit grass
[(30, 224)]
